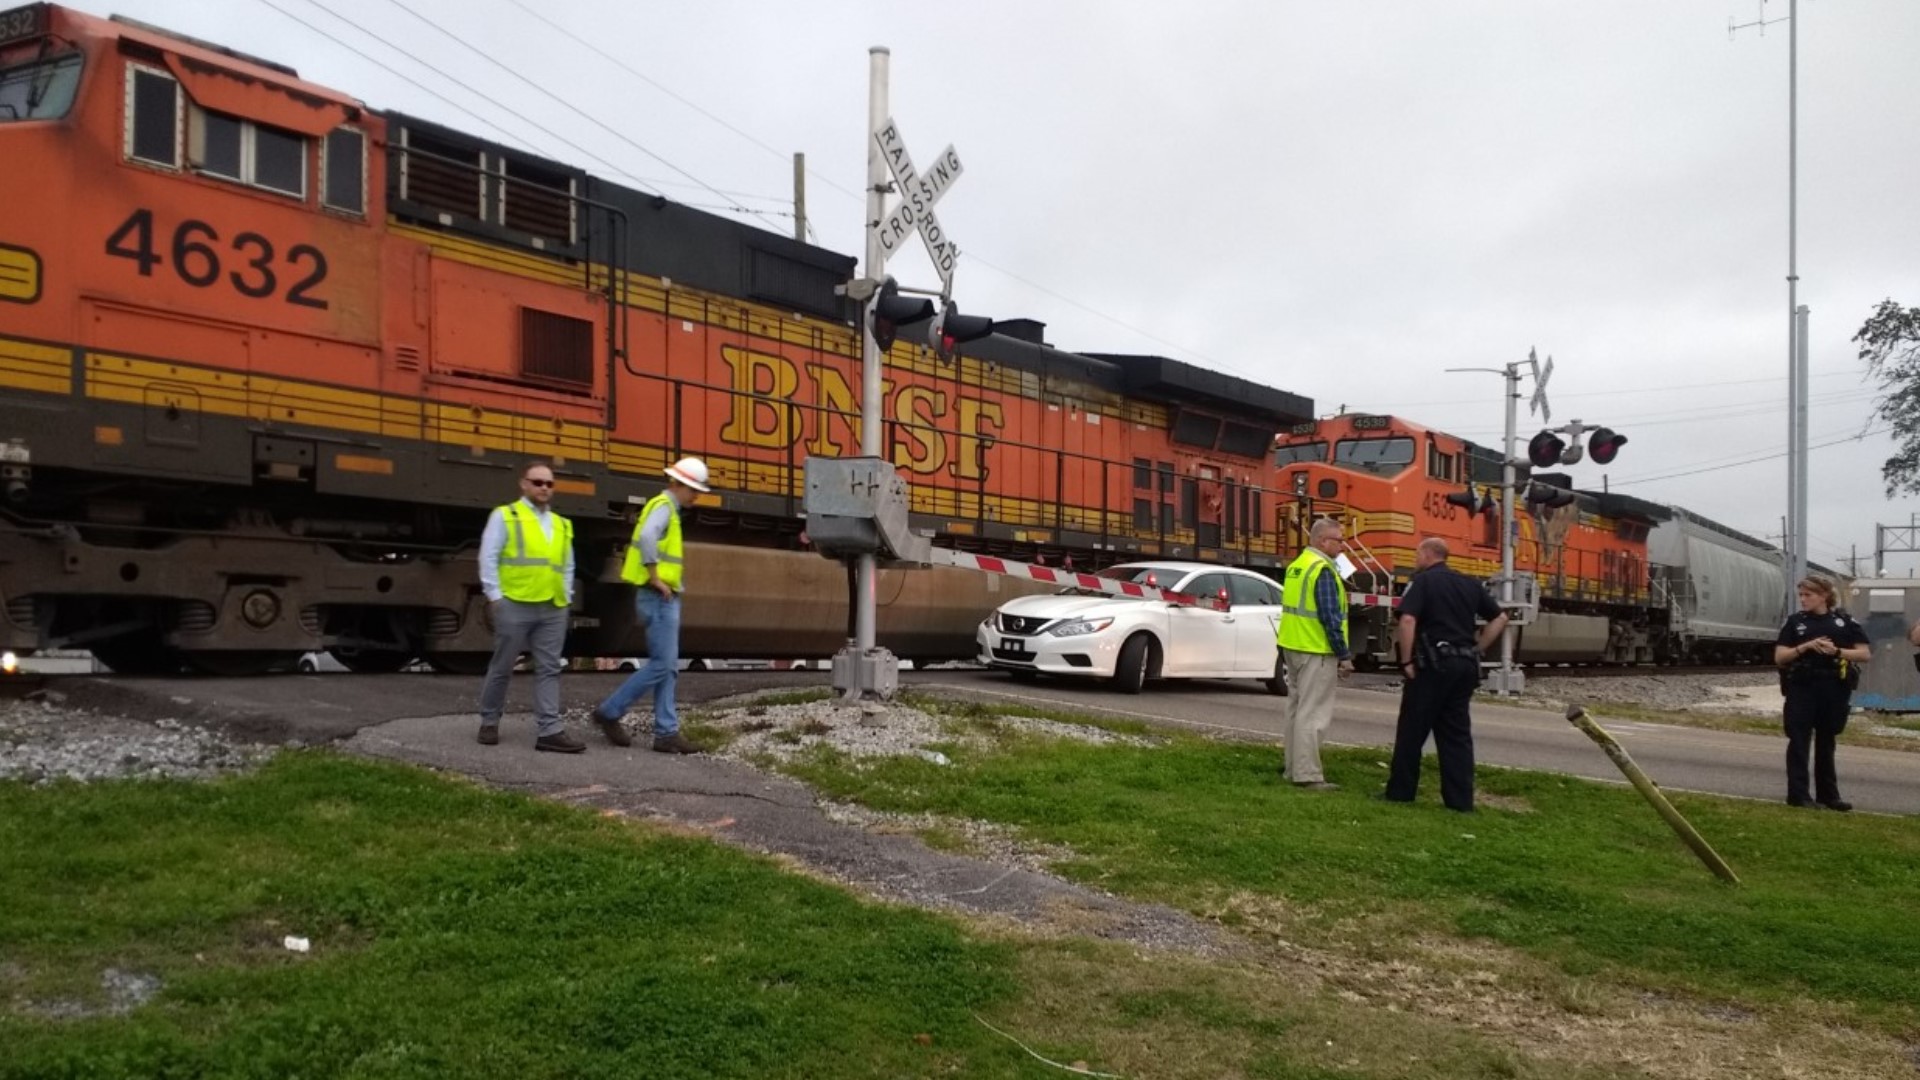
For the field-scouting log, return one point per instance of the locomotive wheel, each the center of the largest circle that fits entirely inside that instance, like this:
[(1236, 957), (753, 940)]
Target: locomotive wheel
[(457, 663), (140, 653), (371, 661), (233, 663)]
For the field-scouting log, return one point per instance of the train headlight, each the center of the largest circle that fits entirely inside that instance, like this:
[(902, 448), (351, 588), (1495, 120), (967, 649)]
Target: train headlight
[(1080, 627)]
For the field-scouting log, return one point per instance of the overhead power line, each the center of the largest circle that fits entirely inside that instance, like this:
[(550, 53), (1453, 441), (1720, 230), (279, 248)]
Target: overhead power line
[(1748, 461), (563, 103)]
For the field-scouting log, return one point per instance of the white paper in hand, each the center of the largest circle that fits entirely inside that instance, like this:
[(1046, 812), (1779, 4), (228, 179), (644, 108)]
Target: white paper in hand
[(1344, 565)]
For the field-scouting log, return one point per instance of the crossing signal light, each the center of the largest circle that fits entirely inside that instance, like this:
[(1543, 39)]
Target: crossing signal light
[(891, 311), (1548, 495), (1547, 448), (1605, 445), (951, 329), (1474, 500)]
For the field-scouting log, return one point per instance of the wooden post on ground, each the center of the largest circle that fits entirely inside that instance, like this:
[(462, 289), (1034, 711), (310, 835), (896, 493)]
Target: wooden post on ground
[(1578, 717)]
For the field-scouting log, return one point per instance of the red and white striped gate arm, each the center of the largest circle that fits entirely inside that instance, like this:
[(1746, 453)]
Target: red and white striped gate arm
[(1051, 576), (1373, 600)]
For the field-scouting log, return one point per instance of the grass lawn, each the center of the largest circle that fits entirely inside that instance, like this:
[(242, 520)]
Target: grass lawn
[(1582, 876), (462, 932), (456, 932)]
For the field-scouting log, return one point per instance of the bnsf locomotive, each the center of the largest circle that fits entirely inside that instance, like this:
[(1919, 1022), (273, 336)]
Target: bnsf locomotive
[(1619, 579), (267, 357)]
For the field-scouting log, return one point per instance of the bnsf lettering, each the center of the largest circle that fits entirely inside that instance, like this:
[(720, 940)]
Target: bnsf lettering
[(196, 260), (769, 418)]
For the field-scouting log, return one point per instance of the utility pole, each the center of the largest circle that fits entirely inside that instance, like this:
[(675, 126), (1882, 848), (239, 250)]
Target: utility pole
[(1795, 541), (800, 197)]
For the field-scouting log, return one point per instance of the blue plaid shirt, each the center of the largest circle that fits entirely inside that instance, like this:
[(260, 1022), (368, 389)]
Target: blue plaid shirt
[(1326, 603)]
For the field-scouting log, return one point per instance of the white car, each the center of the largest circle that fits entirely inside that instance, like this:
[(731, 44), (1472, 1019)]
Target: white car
[(1083, 633)]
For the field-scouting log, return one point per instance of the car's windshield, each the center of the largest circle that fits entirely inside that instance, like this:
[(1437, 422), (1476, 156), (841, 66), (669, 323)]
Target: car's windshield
[(42, 90)]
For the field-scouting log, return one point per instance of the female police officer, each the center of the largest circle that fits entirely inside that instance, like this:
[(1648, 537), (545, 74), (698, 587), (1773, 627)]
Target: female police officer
[(1817, 652)]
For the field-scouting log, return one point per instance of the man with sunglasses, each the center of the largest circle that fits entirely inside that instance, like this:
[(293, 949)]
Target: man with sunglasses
[(526, 571)]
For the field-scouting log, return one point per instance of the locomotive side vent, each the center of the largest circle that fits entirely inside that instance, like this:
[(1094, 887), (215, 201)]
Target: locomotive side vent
[(556, 349)]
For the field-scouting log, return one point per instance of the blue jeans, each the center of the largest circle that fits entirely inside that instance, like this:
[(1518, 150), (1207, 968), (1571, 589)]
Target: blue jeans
[(662, 617)]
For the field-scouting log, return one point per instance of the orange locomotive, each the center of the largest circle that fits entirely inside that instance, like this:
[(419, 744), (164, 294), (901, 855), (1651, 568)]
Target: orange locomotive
[(1389, 480), (268, 355)]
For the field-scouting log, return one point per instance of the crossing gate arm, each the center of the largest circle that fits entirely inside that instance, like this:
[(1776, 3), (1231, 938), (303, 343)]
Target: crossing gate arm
[(988, 564)]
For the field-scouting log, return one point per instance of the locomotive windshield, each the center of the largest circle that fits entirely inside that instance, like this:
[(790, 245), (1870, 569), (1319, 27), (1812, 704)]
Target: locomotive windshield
[(41, 90), (1311, 451), (1374, 455)]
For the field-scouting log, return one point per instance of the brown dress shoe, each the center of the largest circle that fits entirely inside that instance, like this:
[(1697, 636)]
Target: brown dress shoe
[(560, 742), (489, 734), (673, 744), (615, 733)]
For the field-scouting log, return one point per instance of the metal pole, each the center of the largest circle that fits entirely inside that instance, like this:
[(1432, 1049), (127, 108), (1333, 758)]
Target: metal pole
[(1795, 542), (800, 196), (1801, 540), (1507, 538), (878, 59)]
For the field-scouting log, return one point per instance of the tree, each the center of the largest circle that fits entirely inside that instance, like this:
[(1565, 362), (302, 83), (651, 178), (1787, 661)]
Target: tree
[(1890, 344)]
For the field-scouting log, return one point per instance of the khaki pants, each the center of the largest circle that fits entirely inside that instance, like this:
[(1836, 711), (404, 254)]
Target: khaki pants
[(1311, 679)]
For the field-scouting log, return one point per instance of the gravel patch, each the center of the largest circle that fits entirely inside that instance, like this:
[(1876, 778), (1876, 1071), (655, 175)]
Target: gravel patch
[(788, 730), (1746, 693), (41, 742)]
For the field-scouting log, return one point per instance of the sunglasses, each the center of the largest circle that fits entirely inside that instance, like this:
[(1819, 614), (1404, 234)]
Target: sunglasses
[(541, 483)]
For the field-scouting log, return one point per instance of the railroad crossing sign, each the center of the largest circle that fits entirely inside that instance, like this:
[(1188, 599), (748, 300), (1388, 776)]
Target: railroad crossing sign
[(1540, 378), (918, 194)]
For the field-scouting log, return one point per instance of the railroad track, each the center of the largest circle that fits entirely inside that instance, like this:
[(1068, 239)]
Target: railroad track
[(1599, 671)]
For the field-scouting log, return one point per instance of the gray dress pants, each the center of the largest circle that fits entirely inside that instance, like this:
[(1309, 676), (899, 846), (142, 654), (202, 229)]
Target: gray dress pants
[(537, 628)]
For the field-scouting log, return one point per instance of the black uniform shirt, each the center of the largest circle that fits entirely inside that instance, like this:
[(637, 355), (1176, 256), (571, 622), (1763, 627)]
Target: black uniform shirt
[(1801, 627), (1445, 602)]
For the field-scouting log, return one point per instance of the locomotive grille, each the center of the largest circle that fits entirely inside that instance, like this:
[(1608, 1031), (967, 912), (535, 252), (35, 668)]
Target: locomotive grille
[(1021, 624), (313, 619), (443, 623), (556, 348)]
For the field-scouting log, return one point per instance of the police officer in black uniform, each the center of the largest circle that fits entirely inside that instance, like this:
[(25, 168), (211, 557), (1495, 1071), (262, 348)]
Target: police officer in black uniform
[(1440, 660), (1819, 652)]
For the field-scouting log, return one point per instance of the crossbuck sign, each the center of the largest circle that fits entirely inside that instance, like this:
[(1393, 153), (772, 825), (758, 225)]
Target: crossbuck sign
[(918, 194)]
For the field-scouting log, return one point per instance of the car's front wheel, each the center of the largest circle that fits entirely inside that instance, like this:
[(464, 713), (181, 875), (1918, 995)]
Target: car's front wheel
[(1130, 673)]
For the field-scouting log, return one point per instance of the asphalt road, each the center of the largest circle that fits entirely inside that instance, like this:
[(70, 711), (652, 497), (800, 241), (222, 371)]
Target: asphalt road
[(321, 708)]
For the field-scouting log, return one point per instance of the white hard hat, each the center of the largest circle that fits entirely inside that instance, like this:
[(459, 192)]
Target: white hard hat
[(690, 471)]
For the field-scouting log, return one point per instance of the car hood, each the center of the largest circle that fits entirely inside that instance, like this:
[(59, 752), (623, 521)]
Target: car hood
[(1072, 607)]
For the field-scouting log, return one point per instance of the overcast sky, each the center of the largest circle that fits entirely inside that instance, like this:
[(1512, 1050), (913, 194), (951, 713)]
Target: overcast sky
[(1336, 199)]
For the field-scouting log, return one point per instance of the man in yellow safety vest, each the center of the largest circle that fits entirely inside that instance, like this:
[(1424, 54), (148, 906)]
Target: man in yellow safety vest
[(1313, 641), (656, 564), (526, 572)]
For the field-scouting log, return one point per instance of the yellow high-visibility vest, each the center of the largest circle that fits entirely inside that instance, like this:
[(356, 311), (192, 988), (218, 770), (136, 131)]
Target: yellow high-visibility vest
[(1300, 628), (533, 566), (673, 560)]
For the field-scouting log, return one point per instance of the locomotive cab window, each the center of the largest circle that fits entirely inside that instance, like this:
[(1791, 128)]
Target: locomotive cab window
[(1374, 455), (153, 116), (1311, 451), (247, 153), (343, 171), (40, 90)]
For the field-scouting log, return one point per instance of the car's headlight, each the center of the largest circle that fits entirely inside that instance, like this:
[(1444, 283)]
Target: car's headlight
[(1077, 627)]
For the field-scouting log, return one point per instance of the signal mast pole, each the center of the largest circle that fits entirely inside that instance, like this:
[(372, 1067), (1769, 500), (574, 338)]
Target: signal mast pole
[(879, 60), (1511, 679)]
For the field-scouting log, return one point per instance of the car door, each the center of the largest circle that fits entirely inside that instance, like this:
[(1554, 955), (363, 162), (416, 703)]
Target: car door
[(1201, 640), (1256, 612)]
